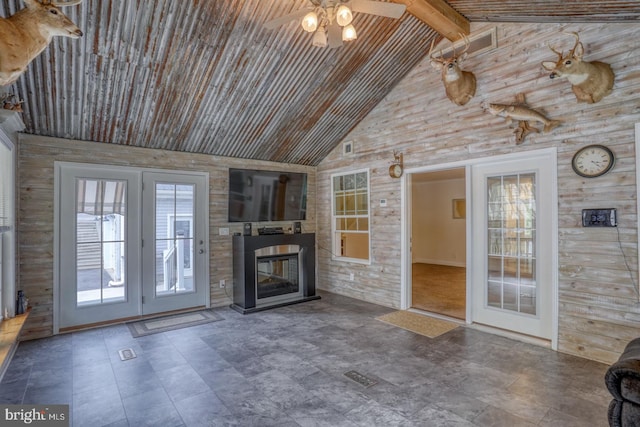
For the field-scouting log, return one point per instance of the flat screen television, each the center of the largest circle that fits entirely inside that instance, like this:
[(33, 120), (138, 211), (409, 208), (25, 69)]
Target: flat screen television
[(262, 195)]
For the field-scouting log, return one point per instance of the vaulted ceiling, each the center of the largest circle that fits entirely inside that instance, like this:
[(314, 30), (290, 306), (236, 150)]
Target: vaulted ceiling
[(205, 76)]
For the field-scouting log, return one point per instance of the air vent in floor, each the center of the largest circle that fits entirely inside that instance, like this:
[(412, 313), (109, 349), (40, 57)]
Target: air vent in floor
[(127, 354), (360, 379)]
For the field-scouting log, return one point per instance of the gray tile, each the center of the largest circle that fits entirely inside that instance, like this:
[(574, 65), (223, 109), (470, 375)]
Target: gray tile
[(372, 413), (338, 392), (136, 378), (436, 416), (497, 417), (181, 382), (281, 389), (97, 408), (84, 376), (202, 409), (285, 367), (151, 408), (319, 416)]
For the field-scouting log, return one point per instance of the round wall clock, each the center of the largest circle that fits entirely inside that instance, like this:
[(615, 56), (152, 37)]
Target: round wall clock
[(592, 161), (395, 170)]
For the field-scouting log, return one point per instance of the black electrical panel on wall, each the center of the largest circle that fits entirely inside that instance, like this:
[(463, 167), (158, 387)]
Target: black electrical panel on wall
[(599, 218)]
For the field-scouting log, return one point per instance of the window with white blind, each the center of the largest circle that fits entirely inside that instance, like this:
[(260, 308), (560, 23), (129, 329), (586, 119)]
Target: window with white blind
[(350, 216)]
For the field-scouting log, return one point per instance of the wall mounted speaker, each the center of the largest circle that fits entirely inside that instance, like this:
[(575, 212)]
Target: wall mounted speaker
[(247, 229)]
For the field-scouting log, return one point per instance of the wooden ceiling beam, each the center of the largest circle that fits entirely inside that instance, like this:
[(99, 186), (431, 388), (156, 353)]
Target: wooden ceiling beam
[(438, 15)]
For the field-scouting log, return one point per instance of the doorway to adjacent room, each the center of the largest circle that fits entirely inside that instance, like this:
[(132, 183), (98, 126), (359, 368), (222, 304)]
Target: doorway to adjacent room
[(505, 249), (438, 242)]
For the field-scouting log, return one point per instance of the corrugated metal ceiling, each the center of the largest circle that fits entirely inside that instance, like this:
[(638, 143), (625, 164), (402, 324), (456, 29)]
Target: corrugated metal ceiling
[(205, 76), (548, 10)]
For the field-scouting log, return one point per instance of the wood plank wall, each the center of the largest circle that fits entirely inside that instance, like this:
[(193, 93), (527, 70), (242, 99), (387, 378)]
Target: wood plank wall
[(598, 268), (36, 215)]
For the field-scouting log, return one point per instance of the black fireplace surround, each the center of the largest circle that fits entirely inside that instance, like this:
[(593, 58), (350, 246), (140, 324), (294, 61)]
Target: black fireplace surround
[(286, 275)]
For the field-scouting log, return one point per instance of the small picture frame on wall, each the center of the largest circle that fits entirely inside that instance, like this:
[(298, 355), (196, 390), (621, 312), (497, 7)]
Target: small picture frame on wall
[(459, 208)]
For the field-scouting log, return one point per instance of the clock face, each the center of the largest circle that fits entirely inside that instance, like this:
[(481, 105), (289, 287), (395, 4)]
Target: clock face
[(395, 171), (592, 161)]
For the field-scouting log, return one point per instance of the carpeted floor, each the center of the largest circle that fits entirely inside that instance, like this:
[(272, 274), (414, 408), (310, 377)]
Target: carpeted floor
[(141, 328), (418, 323)]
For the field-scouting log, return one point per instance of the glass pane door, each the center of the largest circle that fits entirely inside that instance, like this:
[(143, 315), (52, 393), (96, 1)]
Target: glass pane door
[(511, 215), (174, 238), (100, 241), (175, 255), (98, 249), (514, 279)]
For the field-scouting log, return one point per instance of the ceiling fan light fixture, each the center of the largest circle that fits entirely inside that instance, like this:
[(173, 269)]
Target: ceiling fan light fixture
[(349, 33), (320, 38), (343, 15), (310, 22)]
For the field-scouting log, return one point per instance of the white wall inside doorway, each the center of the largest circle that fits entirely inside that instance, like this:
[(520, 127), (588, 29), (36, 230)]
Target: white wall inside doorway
[(437, 237)]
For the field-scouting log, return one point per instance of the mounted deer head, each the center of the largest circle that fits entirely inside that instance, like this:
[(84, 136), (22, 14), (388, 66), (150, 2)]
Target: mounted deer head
[(591, 81), (459, 85), (25, 34)]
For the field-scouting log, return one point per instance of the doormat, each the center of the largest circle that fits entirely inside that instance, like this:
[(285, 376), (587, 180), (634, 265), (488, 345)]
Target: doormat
[(418, 323), (141, 328)]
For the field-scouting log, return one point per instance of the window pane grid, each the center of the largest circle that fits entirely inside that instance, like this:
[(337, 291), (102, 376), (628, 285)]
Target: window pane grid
[(511, 283), (100, 241), (174, 207), (351, 215)]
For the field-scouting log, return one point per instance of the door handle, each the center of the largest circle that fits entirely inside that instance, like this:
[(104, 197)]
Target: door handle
[(201, 251)]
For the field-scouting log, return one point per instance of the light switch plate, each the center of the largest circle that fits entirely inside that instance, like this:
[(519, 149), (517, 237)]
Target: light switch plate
[(599, 218)]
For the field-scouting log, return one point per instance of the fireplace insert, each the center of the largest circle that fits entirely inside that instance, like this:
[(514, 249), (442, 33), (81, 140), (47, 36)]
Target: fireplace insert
[(273, 270), (278, 275)]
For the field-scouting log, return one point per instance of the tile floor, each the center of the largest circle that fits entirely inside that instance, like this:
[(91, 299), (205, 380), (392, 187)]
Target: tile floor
[(286, 366)]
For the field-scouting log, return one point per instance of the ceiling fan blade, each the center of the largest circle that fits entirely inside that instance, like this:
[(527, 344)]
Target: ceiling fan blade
[(276, 22), (390, 10), (334, 34)]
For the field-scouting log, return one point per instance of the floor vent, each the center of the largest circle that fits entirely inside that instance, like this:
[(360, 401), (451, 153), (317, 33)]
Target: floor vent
[(127, 354), (360, 379)]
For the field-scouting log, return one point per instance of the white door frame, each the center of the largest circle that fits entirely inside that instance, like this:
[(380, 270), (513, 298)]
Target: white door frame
[(65, 175), (405, 232), (200, 258), (56, 230)]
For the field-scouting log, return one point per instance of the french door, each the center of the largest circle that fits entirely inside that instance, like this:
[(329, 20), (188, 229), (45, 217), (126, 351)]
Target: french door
[(123, 252), (513, 245), (175, 249)]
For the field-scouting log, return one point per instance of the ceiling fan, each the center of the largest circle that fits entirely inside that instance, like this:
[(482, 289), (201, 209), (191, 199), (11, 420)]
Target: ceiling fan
[(330, 20)]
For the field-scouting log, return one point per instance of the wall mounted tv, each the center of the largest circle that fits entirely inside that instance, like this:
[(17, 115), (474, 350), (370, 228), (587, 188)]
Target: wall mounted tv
[(261, 195)]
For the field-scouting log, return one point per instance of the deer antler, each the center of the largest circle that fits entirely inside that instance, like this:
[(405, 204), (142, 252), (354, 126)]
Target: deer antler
[(560, 56), (467, 45), (574, 34), (441, 59), (66, 3)]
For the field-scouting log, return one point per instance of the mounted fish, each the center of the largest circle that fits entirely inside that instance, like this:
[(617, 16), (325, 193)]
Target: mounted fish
[(521, 113), (590, 81), (459, 85)]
